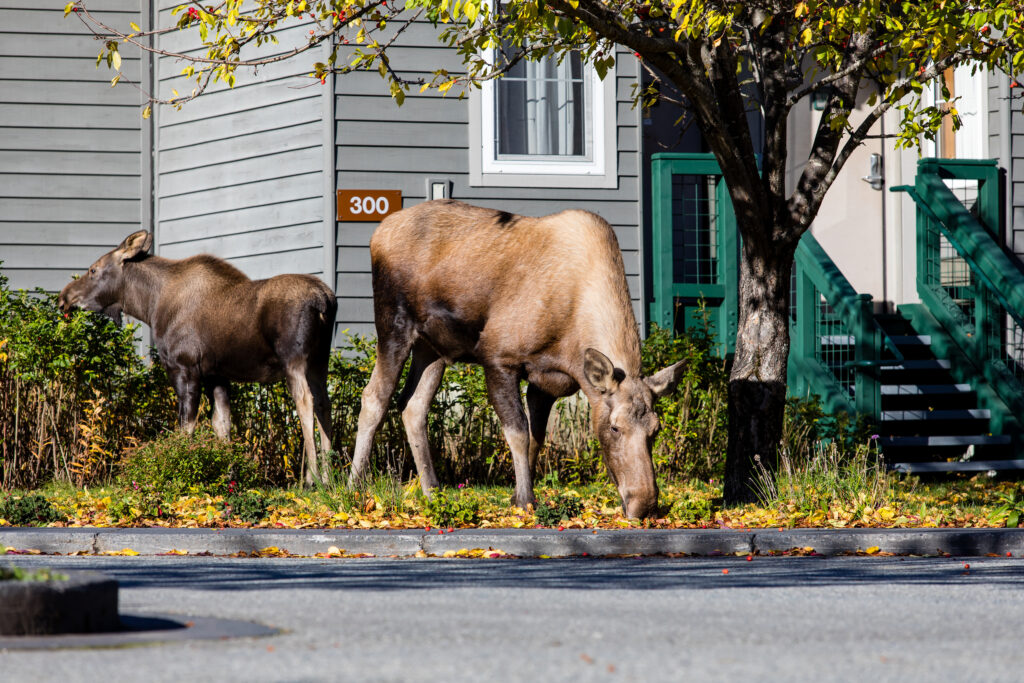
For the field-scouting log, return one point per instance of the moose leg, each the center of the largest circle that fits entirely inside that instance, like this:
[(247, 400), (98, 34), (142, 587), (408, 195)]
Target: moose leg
[(186, 386), (316, 379), (538, 404), (424, 377), (391, 355), (221, 411), (503, 390), (303, 397)]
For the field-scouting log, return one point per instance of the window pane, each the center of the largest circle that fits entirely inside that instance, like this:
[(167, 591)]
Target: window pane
[(541, 109)]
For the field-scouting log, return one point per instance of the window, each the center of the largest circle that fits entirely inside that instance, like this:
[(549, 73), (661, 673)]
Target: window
[(544, 124)]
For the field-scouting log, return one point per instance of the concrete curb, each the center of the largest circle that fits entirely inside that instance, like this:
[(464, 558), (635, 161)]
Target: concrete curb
[(82, 602), (522, 542)]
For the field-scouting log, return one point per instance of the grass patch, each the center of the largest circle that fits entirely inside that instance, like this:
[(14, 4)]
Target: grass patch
[(19, 574)]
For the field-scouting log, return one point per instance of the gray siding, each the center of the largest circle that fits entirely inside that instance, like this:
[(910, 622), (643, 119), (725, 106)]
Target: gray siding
[(382, 146), (72, 174), (1015, 183), (239, 172)]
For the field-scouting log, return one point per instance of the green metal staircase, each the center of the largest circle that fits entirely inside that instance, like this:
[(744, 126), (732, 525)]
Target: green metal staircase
[(942, 380)]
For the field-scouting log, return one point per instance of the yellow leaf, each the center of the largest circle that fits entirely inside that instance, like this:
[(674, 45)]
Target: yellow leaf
[(114, 80), (68, 7), (801, 9), (424, 87), (872, 550), (129, 552), (116, 59), (135, 27), (449, 553), (805, 36)]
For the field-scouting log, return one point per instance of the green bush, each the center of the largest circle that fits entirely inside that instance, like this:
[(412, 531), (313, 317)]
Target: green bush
[(694, 418), (177, 462), (560, 508), (73, 392), (30, 510), (452, 508), (248, 506)]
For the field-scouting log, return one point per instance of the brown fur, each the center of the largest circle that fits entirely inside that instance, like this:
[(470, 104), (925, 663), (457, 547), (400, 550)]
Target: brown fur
[(526, 298), (212, 325)]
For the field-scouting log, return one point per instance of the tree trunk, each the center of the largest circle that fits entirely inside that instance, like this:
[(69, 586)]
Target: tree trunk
[(757, 385)]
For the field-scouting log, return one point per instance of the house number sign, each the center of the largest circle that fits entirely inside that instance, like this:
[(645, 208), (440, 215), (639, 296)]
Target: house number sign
[(368, 206)]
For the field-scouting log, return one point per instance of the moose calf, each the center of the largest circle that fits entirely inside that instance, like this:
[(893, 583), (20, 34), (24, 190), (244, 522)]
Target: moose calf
[(212, 325)]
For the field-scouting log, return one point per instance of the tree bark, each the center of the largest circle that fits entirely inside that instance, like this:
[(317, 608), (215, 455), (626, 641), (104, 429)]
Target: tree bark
[(757, 385)]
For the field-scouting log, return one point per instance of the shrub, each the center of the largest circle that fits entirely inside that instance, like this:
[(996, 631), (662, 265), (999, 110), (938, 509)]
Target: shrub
[(176, 462), (452, 508), (73, 392), (30, 510), (694, 418), (558, 509), (248, 506)]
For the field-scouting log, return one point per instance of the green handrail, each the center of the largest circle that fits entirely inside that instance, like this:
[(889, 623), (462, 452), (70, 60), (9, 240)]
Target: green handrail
[(976, 312), (818, 277)]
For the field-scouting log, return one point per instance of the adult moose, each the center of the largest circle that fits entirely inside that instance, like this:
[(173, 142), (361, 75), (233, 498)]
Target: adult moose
[(543, 299), (212, 325)]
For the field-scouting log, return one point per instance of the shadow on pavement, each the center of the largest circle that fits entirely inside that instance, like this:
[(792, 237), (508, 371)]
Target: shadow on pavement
[(580, 574)]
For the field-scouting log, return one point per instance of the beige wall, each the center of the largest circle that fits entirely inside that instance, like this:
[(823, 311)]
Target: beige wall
[(868, 233)]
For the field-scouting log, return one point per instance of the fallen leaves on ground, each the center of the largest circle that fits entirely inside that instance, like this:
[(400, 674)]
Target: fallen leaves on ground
[(971, 503)]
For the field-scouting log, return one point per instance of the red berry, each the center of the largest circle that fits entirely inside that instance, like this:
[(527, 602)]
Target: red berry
[(750, 558), (725, 571), (561, 528)]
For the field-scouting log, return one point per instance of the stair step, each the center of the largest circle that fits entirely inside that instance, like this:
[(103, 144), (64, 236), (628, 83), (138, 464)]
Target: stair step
[(837, 339), (963, 440), (933, 415), (911, 339), (919, 365), (924, 389), (969, 466)]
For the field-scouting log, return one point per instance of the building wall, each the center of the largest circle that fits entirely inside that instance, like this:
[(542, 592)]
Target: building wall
[(247, 173), (239, 172), (72, 168), (1015, 183), (382, 146)]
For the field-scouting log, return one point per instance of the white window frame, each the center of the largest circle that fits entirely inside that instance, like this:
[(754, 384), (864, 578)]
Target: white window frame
[(599, 169)]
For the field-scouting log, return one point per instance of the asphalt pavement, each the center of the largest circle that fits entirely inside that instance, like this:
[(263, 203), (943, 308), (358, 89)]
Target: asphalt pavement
[(723, 618)]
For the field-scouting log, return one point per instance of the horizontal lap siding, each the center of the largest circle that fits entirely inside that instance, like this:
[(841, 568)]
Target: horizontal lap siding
[(1015, 184), (70, 162), (240, 170), (382, 146)]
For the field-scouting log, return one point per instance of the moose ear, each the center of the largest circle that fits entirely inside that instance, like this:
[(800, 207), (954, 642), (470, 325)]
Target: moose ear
[(664, 381), (600, 372), (134, 245)]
